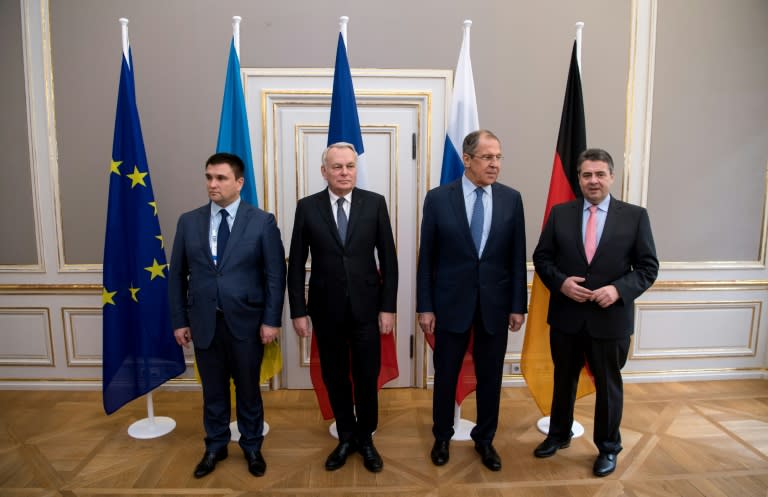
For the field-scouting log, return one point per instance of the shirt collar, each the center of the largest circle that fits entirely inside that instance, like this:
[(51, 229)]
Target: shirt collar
[(469, 188), (603, 206), (335, 198), (231, 208)]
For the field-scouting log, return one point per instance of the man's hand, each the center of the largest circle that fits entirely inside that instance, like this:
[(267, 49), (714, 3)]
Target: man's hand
[(301, 325), (268, 333), (183, 336), (427, 322), (605, 296), (386, 322), (516, 321), (574, 291)]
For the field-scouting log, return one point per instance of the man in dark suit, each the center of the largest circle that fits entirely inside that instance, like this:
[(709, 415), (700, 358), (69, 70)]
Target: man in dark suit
[(226, 295), (350, 301), (471, 274), (596, 255)]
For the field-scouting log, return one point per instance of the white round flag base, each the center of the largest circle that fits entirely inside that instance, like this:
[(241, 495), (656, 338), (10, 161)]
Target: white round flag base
[(332, 430), (543, 425), (462, 429), (151, 427), (235, 433)]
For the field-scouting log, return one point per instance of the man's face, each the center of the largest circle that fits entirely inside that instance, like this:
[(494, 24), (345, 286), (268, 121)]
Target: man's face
[(595, 180), (340, 170), (223, 188), (482, 167)]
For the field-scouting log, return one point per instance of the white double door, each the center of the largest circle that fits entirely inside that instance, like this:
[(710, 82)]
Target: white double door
[(402, 121)]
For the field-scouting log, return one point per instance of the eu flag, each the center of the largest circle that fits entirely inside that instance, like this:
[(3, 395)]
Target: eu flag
[(140, 352)]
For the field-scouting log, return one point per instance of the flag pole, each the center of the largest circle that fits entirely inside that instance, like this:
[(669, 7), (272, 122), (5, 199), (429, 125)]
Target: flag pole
[(462, 428), (233, 430), (236, 33), (577, 429), (579, 27), (124, 32), (151, 426), (343, 21)]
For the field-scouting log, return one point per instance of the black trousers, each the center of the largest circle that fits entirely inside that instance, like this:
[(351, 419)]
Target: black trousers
[(605, 358), (240, 360), (488, 353), (344, 347)]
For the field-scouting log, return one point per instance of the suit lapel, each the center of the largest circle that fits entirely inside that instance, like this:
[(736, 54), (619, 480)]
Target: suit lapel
[(354, 212), (496, 217), (614, 212), (242, 217), (577, 212), (326, 212), (203, 228), (460, 213)]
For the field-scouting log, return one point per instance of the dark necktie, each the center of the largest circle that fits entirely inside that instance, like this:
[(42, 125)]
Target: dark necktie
[(478, 216), (341, 220), (223, 236)]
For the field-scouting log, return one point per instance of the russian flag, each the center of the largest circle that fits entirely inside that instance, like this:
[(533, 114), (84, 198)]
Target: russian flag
[(463, 118)]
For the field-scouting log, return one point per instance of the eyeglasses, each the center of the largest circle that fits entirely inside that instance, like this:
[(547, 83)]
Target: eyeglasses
[(488, 158)]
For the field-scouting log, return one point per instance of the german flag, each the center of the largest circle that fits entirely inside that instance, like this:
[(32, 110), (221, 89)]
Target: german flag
[(536, 362)]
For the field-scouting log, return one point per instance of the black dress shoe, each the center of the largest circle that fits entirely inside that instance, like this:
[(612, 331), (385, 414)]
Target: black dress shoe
[(605, 464), (549, 446), (256, 463), (489, 456), (371, 458), (338, 457), (208, 463), (440, 454)]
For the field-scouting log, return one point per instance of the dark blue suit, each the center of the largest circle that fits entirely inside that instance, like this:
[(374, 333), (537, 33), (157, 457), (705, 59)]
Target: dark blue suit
[(249, 282), (464, 290)]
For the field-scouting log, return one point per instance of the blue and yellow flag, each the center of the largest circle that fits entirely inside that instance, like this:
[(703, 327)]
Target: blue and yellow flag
[(140, 352), (234, 138)]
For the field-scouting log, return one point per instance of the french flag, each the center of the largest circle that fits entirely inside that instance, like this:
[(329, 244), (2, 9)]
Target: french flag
[(344, 124)]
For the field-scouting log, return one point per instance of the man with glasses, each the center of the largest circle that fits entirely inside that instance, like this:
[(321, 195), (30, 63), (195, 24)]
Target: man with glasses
[(471, 276)]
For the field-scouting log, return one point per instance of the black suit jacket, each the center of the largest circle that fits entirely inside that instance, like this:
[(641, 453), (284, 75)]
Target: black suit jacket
[(341, 271), (625, 257), (250, 275), (451, 278)]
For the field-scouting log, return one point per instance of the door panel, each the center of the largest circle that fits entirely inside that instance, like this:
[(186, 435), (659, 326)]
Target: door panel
[(289, 116)]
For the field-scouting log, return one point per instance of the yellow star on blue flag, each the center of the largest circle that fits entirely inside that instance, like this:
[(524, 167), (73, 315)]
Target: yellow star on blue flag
[(140, 352)]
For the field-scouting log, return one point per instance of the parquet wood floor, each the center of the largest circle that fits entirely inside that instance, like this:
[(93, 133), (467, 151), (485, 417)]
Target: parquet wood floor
[(680, 439)]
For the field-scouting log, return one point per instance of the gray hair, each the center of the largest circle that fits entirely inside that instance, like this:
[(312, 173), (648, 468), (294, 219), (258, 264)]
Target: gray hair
[(471, 140), (338, 145)]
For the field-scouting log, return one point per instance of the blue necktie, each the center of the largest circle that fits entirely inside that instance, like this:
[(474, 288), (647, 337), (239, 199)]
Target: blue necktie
[(478, 216), (223, 236), (341, 220)]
